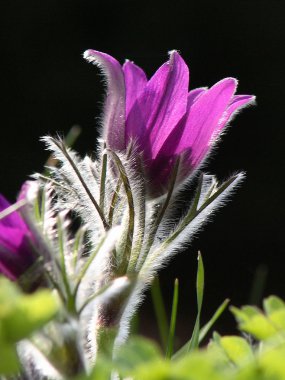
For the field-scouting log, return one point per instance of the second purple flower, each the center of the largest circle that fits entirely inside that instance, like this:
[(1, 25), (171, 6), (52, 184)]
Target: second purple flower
[(17, 253)]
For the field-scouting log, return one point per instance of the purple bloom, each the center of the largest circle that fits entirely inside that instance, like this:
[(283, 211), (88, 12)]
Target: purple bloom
[(16, 244), (164, 119)]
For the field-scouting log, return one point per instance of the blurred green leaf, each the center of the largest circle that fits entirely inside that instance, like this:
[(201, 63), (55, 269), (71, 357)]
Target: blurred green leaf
[(9, 362), (273, 304), (275, 310), (158, 369), (252, 321), (237, 349), (262, 326), (21, 314), (200, 365), (101, 371), (137, 351), (271, 363)]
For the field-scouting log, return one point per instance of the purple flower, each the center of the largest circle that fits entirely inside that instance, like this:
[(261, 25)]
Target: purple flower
[(16, 244), (160, 114)]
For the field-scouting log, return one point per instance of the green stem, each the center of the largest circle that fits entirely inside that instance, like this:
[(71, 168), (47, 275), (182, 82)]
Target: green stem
[(128, 191), (114, 201), (161, 213), (77, 245), (86, 266), (140, 217), (117, 190), (102, 182), (92, 298), (70, 303)]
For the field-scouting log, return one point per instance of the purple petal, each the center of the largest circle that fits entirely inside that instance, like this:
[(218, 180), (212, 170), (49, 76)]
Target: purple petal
[(4, 203), (135, 81), (114, 106), (204, 118), (13, 264), (25, 190), (238, 102), (11, 237), (170, 145), (12, 220), (9, 265), (161, 105), (194, 95)]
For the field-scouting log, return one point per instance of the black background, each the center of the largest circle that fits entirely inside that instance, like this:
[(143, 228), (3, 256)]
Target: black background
[(46, 86)]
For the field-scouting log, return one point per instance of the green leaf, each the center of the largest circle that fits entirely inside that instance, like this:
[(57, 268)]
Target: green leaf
[(156, 370), (275, 310), (160, 311), (237, 349), (29, 314), (229, 350), (102, 370), (22, 314), (9, 362), (200, 282), (194, 342), (200, 365), (204, 330), (137, 351), (173, 320), (271, 363), (254, 322), (273, 304)]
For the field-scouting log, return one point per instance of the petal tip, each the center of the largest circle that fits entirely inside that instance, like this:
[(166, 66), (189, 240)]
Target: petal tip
[(172, 52), (231, 81), (88, 54), (252, 100), (174, 55), (128, 63), (229, 85)]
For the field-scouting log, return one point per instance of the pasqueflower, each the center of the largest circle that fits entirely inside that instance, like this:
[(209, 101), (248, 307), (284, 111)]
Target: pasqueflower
[(165, 120), (16, 243)]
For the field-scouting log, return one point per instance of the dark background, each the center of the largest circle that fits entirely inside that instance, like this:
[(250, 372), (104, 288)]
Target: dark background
[(46, 86)]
